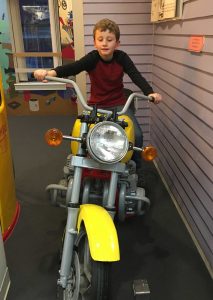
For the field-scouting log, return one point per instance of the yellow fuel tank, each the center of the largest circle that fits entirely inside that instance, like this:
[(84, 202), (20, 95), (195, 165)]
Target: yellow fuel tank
[(129, 132)]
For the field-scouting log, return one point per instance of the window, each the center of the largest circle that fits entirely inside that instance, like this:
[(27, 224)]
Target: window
[(35, 36)]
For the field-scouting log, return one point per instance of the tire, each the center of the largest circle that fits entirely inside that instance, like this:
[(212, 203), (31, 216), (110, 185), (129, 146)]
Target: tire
[(91, 277)]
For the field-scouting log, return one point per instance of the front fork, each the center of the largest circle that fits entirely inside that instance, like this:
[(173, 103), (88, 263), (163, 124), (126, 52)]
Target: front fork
[(71, 231), (112, 194), (72, 198)]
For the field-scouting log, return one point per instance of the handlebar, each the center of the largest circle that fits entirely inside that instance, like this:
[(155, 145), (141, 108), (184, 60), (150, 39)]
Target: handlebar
[(89, 108), (129, 101)]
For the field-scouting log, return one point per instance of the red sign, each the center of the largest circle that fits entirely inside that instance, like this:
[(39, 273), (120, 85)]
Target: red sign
[(196, 43)]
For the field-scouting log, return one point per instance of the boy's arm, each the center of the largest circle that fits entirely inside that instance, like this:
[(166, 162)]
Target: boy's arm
[(135, 75), (139, 80), (84, 64)]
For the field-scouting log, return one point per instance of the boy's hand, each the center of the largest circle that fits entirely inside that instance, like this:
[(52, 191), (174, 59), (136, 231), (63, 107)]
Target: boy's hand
[(40, 74), (157, 97)]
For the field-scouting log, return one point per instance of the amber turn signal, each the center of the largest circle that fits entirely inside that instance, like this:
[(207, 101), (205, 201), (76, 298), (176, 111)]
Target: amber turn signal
[(53, 137), (149, 153)]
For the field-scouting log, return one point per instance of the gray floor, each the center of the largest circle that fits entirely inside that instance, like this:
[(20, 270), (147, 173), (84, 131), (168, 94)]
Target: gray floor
[(156, 247)]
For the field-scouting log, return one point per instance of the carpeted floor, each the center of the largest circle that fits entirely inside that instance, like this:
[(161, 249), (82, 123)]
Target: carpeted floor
[(156, 247)]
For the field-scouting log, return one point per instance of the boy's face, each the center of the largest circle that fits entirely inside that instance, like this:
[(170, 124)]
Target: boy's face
[(105, 42)]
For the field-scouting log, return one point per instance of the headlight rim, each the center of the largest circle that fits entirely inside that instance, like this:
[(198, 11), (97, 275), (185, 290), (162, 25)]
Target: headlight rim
[(90, 150)]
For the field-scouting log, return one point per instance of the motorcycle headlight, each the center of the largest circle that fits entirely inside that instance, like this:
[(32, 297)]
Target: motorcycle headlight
[(107, 142)]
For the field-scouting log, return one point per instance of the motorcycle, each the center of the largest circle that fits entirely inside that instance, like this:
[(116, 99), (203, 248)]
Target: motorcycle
[(99, 184)]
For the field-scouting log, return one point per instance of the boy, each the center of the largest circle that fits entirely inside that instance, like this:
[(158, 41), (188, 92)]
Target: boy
[(106, 67)]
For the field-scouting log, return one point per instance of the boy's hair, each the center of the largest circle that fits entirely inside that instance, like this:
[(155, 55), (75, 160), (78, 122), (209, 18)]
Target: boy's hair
[(106, 24)]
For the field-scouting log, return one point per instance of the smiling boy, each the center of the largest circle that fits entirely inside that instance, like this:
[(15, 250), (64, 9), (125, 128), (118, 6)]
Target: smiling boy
[(106, 67)]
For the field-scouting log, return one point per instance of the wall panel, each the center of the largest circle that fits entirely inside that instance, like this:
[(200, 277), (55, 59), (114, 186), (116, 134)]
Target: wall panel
[(186, 27), (182, 126), (198, 9)]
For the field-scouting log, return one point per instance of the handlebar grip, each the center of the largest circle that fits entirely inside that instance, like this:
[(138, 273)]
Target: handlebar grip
[(151, 99), (32, 75)]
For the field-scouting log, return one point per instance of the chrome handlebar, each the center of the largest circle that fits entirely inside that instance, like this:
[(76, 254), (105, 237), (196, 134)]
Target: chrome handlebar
[(89, 108)]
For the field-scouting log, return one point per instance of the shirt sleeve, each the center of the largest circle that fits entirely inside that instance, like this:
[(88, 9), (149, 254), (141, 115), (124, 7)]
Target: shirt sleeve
[(135, 75), (86, 63)]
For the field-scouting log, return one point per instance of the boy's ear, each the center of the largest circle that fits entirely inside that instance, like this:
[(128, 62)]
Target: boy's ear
[(118, 44)]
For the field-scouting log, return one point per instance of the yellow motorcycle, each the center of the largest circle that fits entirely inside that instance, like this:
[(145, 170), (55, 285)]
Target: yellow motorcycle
[(99, 183)]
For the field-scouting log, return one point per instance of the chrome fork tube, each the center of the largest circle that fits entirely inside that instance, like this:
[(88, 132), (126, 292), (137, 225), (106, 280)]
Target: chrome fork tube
[(71, 227), (70, 233), (112, 194)]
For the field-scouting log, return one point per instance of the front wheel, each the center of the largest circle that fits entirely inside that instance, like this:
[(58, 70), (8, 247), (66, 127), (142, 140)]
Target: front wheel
[(89, 279)]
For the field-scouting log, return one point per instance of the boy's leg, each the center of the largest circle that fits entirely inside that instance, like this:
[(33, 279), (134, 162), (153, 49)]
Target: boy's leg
[(138, 138), (138, 143)]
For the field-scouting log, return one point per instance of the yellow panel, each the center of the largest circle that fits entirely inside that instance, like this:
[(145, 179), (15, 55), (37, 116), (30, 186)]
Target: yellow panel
[(8, 203), (101, 232)]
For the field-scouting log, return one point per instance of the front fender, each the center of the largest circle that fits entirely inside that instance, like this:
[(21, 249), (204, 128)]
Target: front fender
[(101, 232)]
